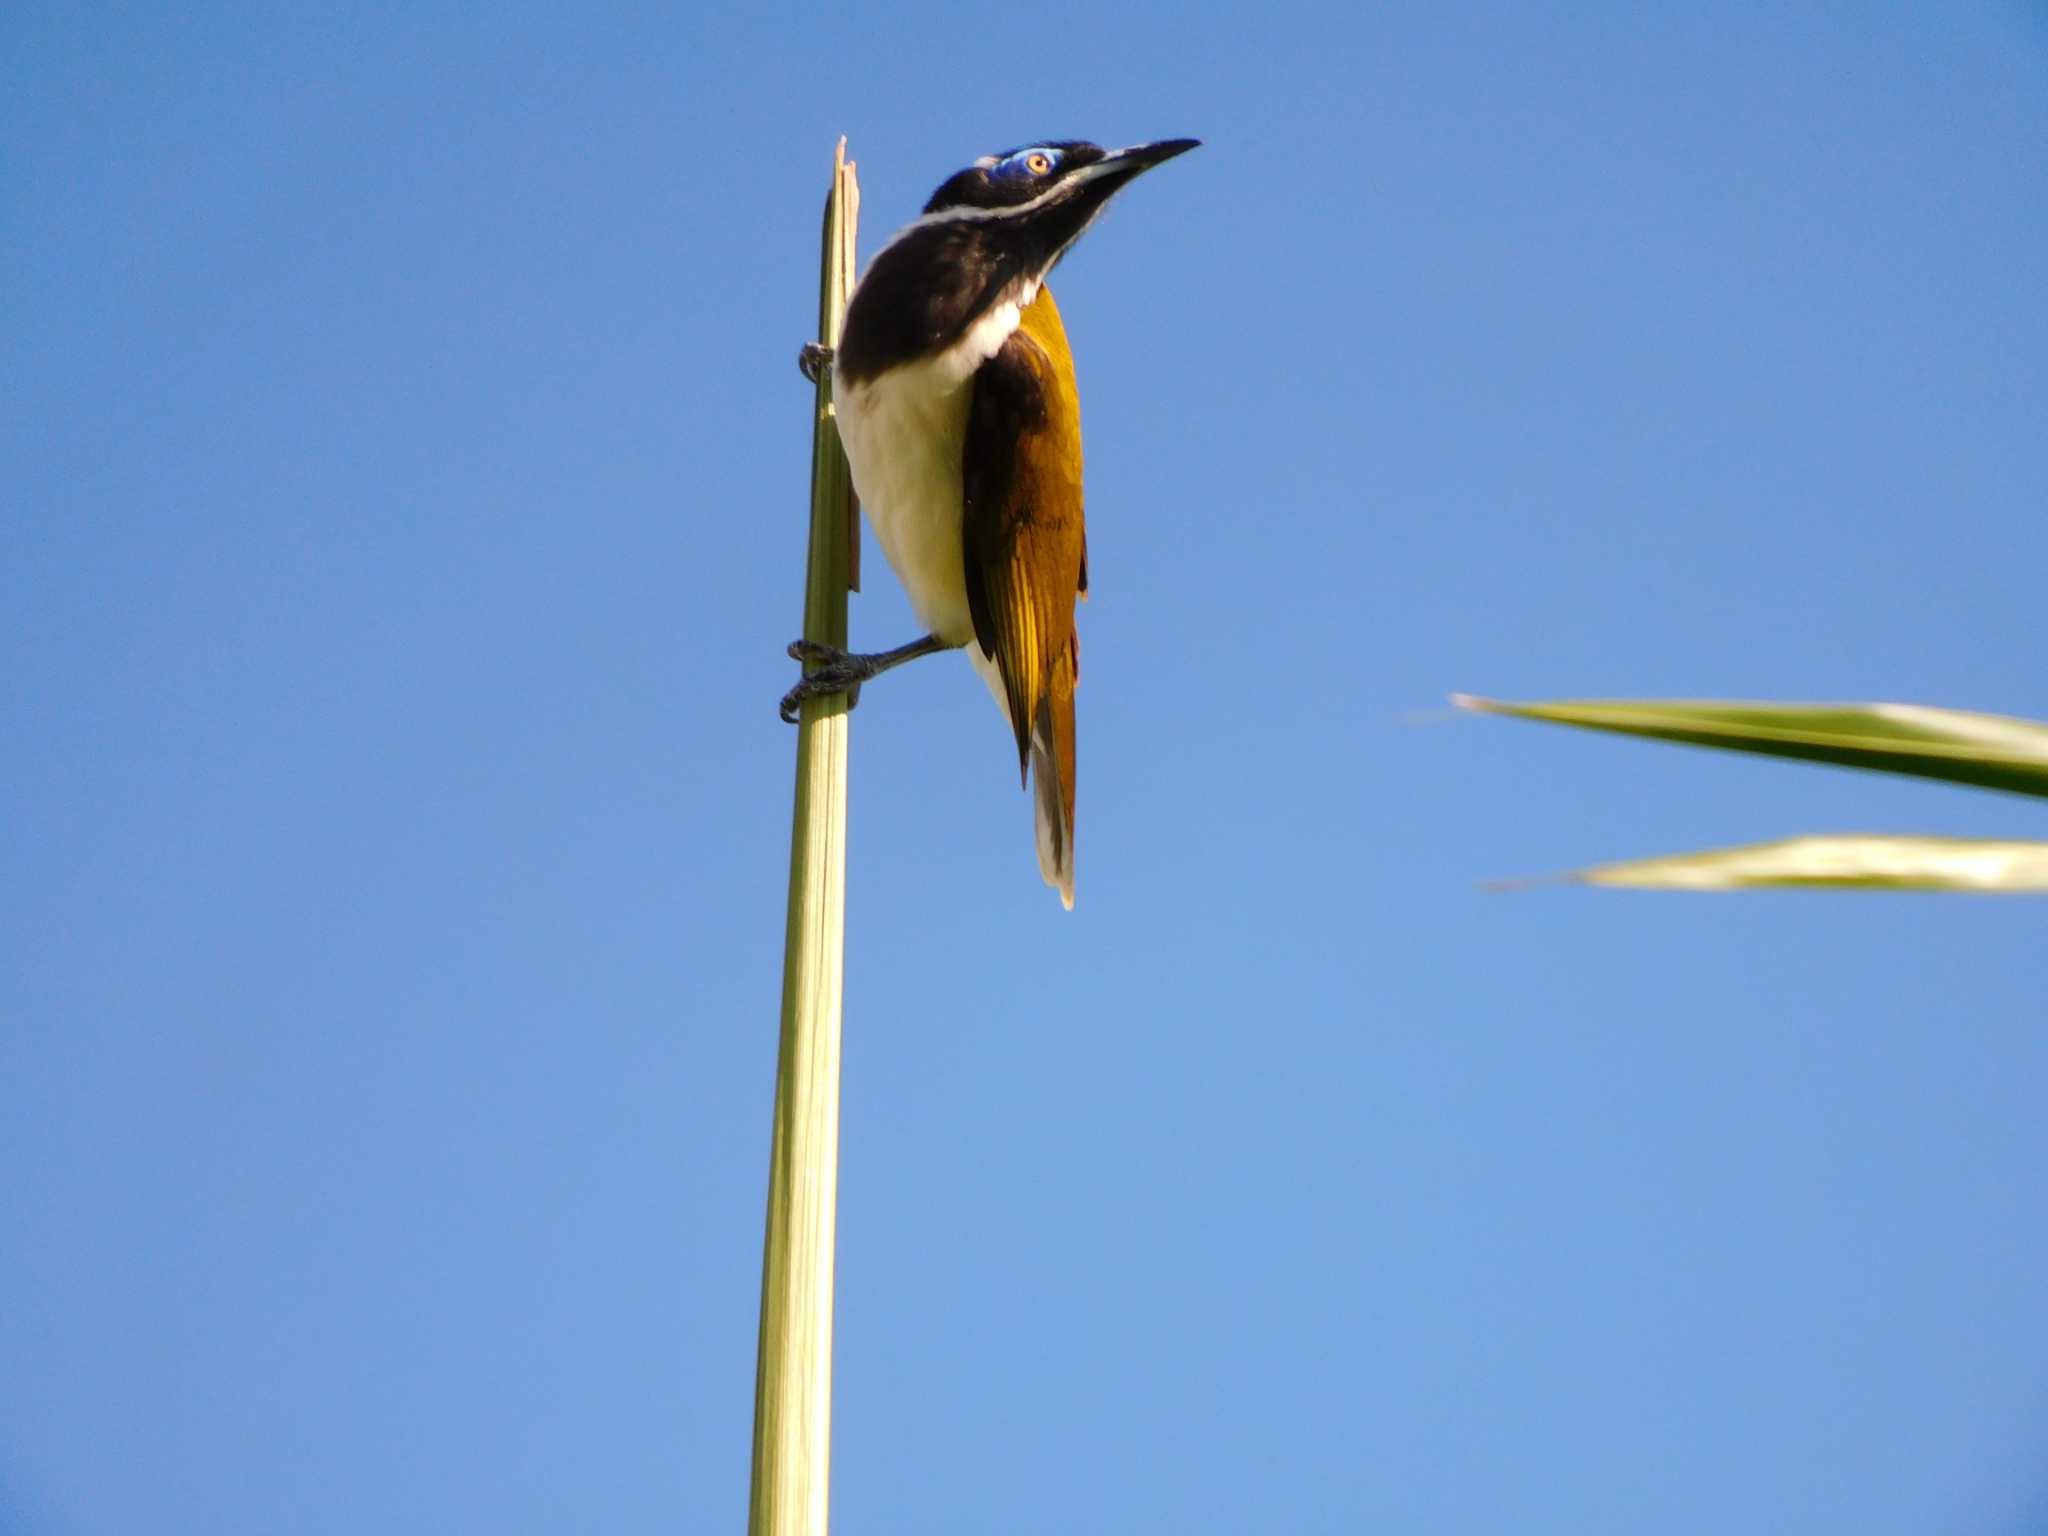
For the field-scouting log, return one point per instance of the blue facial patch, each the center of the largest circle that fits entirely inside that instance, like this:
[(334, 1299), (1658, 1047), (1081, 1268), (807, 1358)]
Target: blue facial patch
[(1025, 164)]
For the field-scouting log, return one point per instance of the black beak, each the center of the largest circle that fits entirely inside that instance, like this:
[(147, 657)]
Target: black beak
[(1142, 157)]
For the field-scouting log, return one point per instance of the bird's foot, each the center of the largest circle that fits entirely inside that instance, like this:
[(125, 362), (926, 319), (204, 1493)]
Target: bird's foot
[(812, 359), (836, 671)]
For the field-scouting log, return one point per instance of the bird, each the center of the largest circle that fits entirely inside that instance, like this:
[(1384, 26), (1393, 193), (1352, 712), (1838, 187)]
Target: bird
[(953, 388)]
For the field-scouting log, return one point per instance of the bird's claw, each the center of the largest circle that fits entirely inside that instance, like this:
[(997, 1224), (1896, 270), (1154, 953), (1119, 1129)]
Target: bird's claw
[(836, 672), (812, 359)]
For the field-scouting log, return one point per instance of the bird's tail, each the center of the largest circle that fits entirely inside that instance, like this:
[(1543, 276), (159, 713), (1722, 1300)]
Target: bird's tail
[(1052, 773)]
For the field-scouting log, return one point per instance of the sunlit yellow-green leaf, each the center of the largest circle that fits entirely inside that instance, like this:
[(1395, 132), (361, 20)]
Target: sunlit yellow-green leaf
[(1990, 751), (1868, 862), (793, 1371)]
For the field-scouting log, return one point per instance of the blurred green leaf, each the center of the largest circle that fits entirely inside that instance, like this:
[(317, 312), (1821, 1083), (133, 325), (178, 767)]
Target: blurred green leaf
[(1869, 862), (1990, 751)]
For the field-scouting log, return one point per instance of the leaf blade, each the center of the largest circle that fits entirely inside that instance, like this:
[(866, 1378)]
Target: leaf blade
[(1983, 866), (2001, 752)]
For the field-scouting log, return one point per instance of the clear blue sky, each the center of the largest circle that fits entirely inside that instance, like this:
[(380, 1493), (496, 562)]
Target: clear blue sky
[(404, 463)]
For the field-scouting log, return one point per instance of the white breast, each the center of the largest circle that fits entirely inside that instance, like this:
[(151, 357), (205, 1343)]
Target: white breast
[(903, 432)]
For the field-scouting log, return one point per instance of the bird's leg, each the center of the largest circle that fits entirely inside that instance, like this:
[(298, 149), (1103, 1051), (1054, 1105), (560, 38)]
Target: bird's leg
[(812, 359), (843, 672)]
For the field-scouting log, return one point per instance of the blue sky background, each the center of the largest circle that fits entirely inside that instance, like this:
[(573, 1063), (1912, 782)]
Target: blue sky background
[(404, 464)]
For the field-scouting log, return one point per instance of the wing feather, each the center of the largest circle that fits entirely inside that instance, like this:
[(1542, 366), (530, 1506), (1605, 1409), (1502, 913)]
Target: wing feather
[(1026, 553)]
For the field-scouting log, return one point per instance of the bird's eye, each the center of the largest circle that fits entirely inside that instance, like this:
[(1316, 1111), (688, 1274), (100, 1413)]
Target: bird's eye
[(1025, 164)]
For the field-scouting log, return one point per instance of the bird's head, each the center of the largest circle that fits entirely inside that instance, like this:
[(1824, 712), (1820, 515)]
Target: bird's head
[(989, 234), (1064, 174), (1038, 199)]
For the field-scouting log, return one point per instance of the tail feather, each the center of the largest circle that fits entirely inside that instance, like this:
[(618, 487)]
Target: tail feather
[(1052, 775)]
